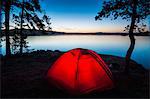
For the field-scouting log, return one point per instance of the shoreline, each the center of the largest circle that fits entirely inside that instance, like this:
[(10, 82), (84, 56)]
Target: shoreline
[(27, 32), (58, 53), (55, 52), (24, 76)]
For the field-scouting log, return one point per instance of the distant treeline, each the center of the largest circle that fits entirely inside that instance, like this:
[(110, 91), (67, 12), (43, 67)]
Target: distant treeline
[(29, 32)]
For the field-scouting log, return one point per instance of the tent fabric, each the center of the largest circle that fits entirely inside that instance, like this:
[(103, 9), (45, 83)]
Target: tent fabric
[(80, 71)]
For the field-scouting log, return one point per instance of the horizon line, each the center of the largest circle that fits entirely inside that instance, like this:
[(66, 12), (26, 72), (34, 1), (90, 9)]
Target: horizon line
[(69, 32)]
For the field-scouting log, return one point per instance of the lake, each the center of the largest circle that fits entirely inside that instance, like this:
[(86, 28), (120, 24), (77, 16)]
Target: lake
[(113, 45)]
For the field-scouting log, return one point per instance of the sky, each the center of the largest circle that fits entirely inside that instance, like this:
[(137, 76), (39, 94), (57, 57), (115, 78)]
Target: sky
[(79, 16)]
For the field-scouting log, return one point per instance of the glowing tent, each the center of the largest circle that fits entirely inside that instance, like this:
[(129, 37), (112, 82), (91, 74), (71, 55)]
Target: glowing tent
[(80, 71)]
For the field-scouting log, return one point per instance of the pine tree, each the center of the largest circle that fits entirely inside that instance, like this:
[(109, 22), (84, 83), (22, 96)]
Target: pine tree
[(134, 11)]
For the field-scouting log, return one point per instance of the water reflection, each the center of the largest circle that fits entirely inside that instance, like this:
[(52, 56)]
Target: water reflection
[(114, 45)]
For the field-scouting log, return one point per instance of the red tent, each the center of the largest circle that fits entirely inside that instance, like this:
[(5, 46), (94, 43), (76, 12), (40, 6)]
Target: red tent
[(80, 71)]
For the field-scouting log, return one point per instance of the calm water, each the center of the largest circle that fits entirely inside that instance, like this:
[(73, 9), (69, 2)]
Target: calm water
[(114, 45)]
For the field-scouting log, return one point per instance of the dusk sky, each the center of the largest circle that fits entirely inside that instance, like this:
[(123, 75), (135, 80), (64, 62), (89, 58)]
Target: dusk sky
[(78, 16)]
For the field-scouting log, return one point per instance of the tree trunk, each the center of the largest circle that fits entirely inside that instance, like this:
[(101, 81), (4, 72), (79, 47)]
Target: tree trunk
[(7, 16), (129, 52), (21, 29), (131, 36)]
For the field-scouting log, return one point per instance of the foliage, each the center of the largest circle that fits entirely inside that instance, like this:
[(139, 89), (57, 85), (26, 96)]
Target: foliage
[(47, 20), (27, 18), (130, 10), (124, 9)]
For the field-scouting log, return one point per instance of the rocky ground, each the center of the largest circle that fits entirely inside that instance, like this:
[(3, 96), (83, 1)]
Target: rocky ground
[(24, 76)]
